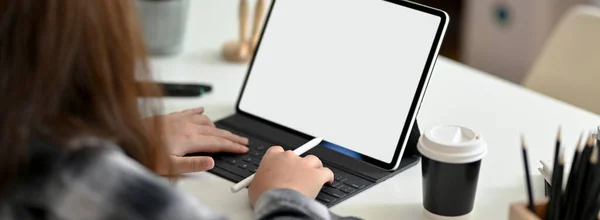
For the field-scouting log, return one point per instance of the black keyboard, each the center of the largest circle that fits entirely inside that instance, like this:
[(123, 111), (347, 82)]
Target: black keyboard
[(237, 167)]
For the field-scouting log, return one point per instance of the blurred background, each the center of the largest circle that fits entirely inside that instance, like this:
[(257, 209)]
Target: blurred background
[(501, 37), (550, 46)]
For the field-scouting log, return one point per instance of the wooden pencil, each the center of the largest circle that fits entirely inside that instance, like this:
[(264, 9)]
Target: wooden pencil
[(555, 197), (527, 177), (595, 202), (589, 198), (557, 148), (566, 200), (586, 183), (578, 149), (579, 180), (596, 208), (556, 192)]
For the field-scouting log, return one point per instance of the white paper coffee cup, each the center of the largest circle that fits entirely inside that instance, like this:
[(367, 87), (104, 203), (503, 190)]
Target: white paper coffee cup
[(450, 168)]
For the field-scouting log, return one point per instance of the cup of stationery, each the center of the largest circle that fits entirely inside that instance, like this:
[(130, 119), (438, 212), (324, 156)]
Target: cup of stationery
[(163, 25), (450, 168)]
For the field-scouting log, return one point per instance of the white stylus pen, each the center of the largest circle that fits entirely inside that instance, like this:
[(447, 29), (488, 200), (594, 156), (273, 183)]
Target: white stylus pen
[(299, 151)]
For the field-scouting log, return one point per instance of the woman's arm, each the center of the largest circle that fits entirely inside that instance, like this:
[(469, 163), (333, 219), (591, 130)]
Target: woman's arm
[(99, 182)]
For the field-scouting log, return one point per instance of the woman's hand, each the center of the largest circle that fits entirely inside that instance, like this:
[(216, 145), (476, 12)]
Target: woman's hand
[(190, 131), (283, 169)]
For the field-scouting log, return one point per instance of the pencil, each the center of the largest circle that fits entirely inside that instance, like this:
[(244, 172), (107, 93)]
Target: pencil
[(527, 177), (591, 202), (557, 148), (586, 183), (571, 178), (554, 201), (595, 200), (589, 198), (556, 192), (596, 208), (579, 180)]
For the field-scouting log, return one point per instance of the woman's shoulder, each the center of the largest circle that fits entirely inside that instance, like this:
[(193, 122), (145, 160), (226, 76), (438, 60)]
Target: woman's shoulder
[(48, 161), (45, 157)]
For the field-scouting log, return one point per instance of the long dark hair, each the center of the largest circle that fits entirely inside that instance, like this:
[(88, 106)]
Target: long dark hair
[(67, 68)]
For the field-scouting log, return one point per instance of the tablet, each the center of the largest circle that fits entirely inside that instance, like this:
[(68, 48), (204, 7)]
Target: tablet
[(351, 71)]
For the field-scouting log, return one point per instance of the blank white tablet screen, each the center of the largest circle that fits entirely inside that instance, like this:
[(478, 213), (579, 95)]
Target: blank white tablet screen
[(346, 70)]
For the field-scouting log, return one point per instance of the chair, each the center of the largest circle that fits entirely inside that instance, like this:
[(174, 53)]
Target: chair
[(568, 68)]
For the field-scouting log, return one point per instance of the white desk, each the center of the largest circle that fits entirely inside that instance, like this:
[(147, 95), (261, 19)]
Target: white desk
[(456, 95)]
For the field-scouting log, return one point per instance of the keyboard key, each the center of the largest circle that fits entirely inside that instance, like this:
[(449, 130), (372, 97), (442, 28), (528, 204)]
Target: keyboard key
[(347, 189), (340, 178), (326, 198), (255, 143), (253, 169), (249, 159), (355, 184), (255, 154), (225, 157), (226, 174), (256, 161), (232, 161), (334, 192), (261, 148), (234, 169), (243, 165), (220, 163), (336, 184)]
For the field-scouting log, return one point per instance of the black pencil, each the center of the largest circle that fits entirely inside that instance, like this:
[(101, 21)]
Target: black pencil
[(595, 196), (584, 188), (556, 190), (579, 180), (527, 177), (589, 197), (554, 200), (571, 178), (593, 191), (595, 204), (594, 214), (554, 195), (557, 148)]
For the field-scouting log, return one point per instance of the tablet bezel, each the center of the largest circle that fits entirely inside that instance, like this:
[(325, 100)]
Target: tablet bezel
[(416, 103)]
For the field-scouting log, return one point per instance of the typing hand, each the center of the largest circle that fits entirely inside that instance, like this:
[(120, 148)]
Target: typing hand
[(190, 131), (284, 169)]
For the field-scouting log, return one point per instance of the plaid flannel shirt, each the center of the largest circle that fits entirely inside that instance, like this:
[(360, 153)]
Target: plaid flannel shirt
[(98, 181)]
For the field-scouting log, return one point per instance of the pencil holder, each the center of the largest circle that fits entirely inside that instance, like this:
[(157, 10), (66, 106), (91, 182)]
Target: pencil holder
[(520, 211)]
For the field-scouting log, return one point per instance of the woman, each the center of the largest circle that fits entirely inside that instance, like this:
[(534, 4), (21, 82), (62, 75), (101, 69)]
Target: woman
[(72, 142)]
